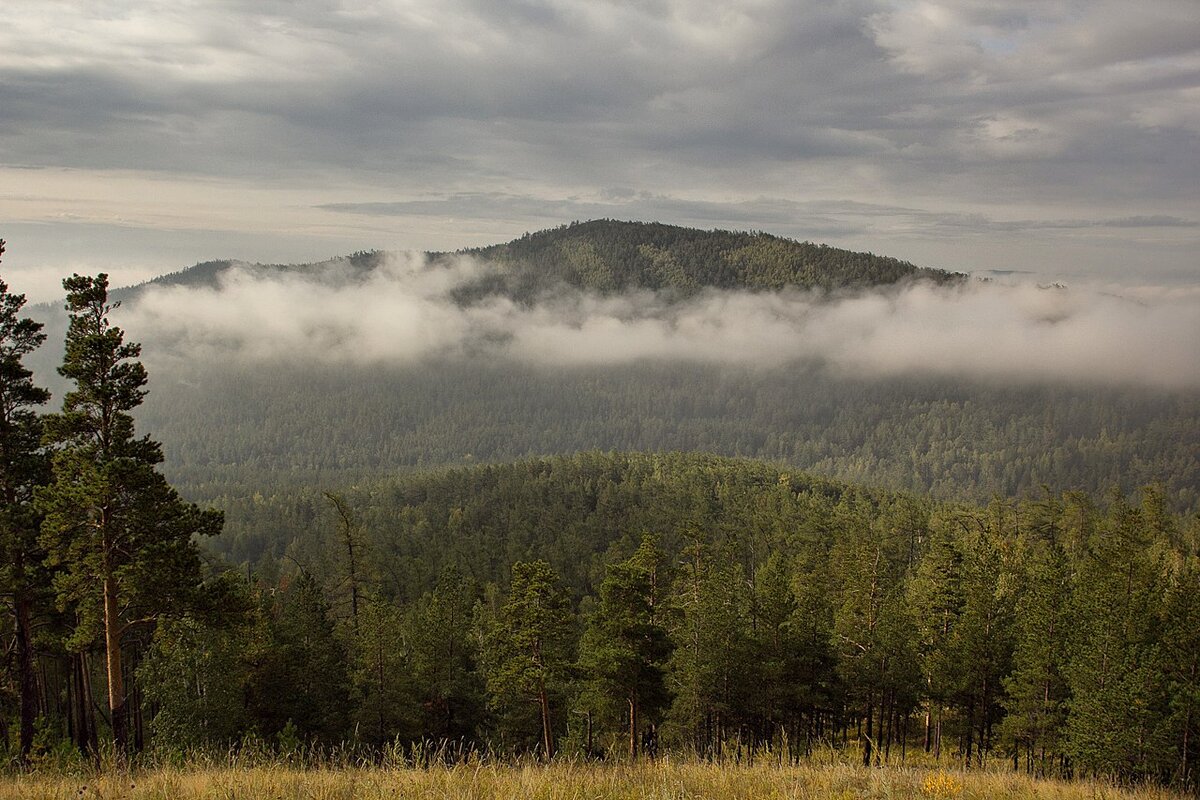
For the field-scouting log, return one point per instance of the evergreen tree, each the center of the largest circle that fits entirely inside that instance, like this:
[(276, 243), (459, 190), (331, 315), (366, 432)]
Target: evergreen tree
[(1036, 689), (625, 647), (1114, 725), (1181, 659), (383, 675), (712, 669), (118, 533), (23, 467), (527, 645), (194, 676), (444, 660), (875, 632), (299, 674)]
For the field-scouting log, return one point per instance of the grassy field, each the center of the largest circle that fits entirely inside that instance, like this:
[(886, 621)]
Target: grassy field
[(665, 780)]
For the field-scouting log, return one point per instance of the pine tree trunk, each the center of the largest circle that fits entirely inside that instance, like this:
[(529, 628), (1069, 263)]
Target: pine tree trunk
[(633, 727), (27, 674), (116, 680), (867, 739), (81, 709), (547, 734)]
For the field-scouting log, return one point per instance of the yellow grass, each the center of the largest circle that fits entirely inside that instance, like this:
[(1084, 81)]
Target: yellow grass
[(665, 780)]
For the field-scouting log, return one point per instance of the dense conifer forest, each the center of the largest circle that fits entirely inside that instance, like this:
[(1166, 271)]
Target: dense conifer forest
[(595, 562), (228, 427)]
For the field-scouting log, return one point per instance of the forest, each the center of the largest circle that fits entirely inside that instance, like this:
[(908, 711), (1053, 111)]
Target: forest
[(602, 603)]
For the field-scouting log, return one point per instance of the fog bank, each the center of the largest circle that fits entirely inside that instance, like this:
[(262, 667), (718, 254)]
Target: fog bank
[(404, 312)]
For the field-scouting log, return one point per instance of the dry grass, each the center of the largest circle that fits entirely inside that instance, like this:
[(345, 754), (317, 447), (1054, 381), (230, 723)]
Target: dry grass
[(665, 780)]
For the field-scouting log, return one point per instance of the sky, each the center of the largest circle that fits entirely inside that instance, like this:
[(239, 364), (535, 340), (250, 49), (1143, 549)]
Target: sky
[(1054, 138)]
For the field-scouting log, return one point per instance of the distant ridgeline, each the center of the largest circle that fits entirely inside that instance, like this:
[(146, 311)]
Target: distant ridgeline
[(612, 256)]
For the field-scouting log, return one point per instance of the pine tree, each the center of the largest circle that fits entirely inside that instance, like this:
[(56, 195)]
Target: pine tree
[(1036, 691), (118, 533), (23, 467), (1114, 669), (443, 659), (300, 678), (1181, 657), (526, 647), (625, 647)]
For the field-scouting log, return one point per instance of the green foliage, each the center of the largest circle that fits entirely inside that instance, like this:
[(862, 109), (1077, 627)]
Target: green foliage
[(526, 651), (268, 428), (23, 468), (625, 647), (383, 679), (444, 660), (609, 255), (119, 538), (193, 676), (1118, 692), (299, 667)]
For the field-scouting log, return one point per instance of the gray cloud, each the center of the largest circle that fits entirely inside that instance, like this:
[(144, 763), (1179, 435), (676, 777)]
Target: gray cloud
[(1063, 114), (402, 313)]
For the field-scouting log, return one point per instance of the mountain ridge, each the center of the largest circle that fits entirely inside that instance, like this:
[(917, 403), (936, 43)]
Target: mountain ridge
[(609, 256)]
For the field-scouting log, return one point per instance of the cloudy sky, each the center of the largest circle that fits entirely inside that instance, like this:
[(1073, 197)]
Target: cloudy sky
[(1061, 137)]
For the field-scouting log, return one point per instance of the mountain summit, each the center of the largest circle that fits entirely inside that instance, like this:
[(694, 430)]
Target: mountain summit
[(609, 255), (612, 256)]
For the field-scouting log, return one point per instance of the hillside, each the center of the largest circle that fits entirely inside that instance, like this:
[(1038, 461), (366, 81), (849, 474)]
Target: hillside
[(226, 426), (789, 607), (611, 256)]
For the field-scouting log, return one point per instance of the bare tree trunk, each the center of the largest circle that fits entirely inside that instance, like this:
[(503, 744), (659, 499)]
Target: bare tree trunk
[(867, 738), (112, 653), (633, 727), (81, 709), (547, 734)]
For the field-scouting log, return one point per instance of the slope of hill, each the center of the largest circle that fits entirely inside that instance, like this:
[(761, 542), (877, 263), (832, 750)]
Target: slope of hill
[(226, 426), (609, 255)]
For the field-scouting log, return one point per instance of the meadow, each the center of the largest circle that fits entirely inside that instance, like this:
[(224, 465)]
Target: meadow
[(567, 780)]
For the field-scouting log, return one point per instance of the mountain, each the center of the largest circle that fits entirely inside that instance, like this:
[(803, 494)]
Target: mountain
[(233, 424), (612, 256), (609, 256)]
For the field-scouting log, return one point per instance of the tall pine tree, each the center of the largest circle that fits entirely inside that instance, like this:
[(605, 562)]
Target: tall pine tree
[(23, 467), (118, 533)]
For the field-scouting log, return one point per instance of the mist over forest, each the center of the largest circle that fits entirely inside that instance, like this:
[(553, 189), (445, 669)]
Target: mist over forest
[(603, 336), (405, 310)]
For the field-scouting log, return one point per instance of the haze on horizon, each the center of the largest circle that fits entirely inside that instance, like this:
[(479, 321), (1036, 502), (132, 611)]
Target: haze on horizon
[(1050, 137)]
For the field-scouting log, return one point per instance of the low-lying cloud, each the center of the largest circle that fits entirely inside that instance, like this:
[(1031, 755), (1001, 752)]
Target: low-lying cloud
[(404, 312)]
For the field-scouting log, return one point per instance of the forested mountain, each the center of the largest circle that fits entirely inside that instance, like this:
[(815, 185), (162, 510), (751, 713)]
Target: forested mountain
[(614, 256), (610, 256), (365, 594), (301, 417)]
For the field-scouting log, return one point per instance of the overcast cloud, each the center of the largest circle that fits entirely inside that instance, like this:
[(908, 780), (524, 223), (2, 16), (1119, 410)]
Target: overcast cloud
[(402, 314), (1049, 135)]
